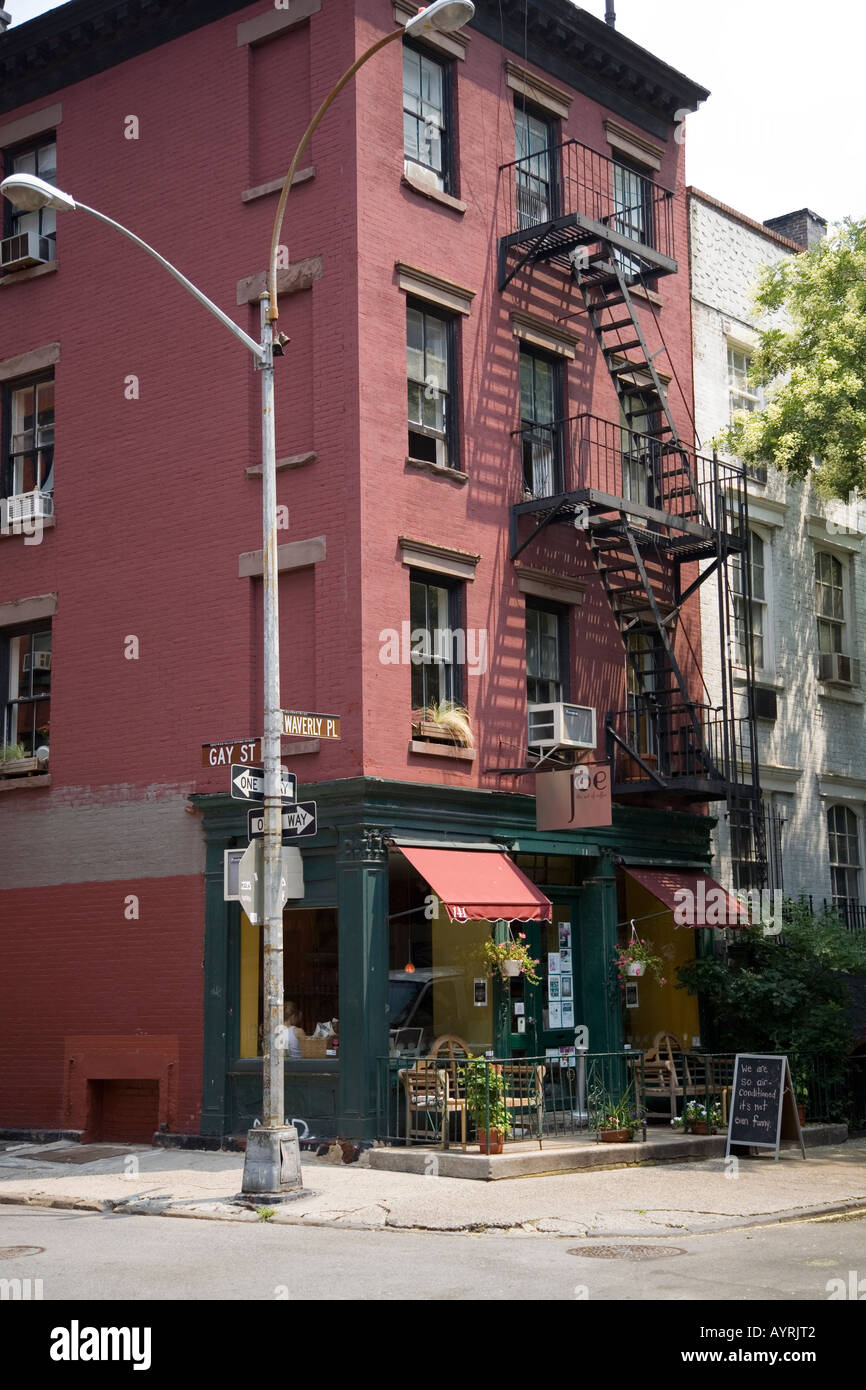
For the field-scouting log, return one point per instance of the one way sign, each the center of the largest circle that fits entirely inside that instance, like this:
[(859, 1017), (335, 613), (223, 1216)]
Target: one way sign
[(248, 784), (298, 821)]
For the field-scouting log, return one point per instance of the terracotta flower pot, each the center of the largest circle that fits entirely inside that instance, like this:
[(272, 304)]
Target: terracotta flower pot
[(699, 1127), (801, 1114), (492, 1143), (615, 1136)]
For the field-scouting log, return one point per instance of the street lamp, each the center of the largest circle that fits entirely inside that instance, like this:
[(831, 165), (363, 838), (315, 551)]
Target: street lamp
[(272, 1162)]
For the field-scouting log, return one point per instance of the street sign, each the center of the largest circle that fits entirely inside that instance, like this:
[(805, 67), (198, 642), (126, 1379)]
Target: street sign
[(248, 784), (296, 725), (245, 751), (298, 821), (251, 880)]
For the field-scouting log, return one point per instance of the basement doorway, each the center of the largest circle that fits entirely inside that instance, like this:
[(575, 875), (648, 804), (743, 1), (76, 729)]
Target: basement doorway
[(122, 1112)]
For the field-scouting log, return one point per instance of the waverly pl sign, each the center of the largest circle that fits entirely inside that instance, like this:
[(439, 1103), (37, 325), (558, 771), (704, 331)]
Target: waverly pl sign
[(296, 725)]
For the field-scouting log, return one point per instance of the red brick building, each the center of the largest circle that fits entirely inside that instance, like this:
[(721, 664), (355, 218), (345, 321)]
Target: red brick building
[(420, 262)]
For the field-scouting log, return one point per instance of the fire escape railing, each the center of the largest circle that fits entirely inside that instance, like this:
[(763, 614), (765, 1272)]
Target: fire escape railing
[(559, 197)]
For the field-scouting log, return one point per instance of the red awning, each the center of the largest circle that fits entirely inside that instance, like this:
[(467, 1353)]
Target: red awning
[(480, 885), (695, 899)]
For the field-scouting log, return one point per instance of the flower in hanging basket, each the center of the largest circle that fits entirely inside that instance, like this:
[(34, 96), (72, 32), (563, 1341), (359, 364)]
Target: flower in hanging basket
[(511, 958), (637, 959)]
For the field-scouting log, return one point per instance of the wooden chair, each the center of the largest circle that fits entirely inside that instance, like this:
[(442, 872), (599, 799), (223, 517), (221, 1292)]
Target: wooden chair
[(659, 1070), (426, 1088), (450, 1054), (524, 1090)]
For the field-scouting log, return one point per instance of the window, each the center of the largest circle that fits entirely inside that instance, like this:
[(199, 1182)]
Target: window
[(427, 143), (39, 159), (843, 830), (534, 142), (829, 603), (645, 692), (311, 992), (28, 437), (758, 555), (430, 355), (546, 653), (540, 394), (435, 613), (640, 452), (25, 678), (632, 212), (743, 396)]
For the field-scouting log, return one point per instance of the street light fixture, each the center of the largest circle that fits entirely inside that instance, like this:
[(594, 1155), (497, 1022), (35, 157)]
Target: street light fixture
[(272, 1163)]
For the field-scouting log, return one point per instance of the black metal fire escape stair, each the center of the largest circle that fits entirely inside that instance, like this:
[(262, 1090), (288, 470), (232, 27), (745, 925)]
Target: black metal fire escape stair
[(622, 551)]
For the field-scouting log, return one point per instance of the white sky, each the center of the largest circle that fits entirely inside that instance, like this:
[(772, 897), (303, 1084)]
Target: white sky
[(783, 128)]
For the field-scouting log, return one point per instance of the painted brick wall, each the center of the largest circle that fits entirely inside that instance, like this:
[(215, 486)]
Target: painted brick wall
[(815, 752)]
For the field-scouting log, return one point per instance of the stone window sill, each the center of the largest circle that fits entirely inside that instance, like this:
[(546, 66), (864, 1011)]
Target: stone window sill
[(847, 696), (652, 295), (434, 194), (438, 470), (441, 750), (33, 272)]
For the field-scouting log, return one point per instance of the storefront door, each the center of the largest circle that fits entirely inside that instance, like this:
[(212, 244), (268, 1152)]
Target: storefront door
[(544, 1016)]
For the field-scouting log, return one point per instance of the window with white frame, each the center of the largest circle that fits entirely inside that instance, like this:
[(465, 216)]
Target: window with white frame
[(25, 672), (835, 663), (744, 396), (39, 158), (28, 436), (427, 117), (430, 357), (843, 831), (752, 609)]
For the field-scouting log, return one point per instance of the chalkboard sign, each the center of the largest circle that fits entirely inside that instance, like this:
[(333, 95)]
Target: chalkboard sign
[(763, 1094)]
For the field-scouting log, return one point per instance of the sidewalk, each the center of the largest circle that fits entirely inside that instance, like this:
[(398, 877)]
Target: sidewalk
[(677, 1198)]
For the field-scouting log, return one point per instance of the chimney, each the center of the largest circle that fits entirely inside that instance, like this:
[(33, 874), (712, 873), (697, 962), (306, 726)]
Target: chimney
[(5, 21), (609, 13), (804, 227)]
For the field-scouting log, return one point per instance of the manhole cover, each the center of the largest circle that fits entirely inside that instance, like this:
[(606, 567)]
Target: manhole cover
[(12, 1252), (82, 1153), (626, 1252)]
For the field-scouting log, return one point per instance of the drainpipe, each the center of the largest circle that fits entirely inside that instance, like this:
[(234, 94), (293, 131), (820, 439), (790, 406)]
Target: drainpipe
[(609, 13)]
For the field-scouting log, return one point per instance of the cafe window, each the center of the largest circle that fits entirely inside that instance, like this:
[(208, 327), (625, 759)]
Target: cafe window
[(438, 983), (310, 985)]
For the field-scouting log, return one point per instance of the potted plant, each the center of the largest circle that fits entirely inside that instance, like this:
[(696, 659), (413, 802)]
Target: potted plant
[(14, 758), (702, 1119), (485, 1101), (511, 957), (637, 959), (445, 720), (615, 1121), (801, 1092)]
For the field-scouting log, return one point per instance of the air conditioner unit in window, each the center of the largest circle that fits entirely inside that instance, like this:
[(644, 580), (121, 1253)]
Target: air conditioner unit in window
[(27, 248), (836, 669), (561, 726), (38, 661), (26, 506)]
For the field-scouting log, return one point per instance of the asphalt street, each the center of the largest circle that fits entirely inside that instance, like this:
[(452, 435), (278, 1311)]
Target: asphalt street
[(100, 1255)]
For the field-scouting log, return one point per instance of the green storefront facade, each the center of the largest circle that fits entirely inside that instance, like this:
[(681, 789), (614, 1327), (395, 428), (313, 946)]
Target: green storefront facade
[(346, 872)]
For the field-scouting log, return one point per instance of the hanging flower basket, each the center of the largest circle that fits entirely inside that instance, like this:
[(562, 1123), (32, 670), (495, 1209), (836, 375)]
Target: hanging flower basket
[(636, 967), (511, 967), (637, 959)]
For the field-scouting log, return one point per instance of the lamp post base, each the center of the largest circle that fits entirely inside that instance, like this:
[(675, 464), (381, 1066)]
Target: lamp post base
[(272, 1165)]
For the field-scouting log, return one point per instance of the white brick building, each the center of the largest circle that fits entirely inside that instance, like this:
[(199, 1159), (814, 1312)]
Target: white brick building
[(809, 588)]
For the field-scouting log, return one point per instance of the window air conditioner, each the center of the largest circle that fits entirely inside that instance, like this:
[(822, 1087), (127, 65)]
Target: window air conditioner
[(39, 661), (836, 669), (26, 506), (561, 726), (27, 248)]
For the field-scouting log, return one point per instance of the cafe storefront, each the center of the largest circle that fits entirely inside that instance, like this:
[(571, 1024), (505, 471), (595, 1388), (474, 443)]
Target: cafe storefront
[(384, 955)]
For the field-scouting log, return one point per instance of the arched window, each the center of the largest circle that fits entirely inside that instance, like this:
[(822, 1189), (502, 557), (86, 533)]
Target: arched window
[(843, 829)]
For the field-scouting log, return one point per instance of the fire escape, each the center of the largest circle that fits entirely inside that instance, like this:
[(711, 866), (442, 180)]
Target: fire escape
[(659, 520)]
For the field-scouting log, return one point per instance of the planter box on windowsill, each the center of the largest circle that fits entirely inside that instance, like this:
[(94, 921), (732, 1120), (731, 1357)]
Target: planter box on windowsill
[(437, 746), (15, 767)]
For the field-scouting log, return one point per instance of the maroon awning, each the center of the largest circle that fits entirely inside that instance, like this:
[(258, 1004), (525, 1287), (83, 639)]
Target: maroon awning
[(695, 899), (480, 885)]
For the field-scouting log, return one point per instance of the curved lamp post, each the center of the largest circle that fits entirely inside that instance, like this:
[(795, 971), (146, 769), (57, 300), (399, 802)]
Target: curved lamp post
[(272, 1162)]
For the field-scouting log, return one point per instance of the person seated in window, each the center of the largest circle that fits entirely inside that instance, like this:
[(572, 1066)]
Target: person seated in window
[(294, 1031)]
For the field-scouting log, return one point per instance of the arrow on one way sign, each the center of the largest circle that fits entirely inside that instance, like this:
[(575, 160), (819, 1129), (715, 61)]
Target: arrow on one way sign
[(248, 784), (298, 821)]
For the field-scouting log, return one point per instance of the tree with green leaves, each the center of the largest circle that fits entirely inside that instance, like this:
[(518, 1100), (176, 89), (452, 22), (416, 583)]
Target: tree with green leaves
[(814, 422), (788, 994)]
